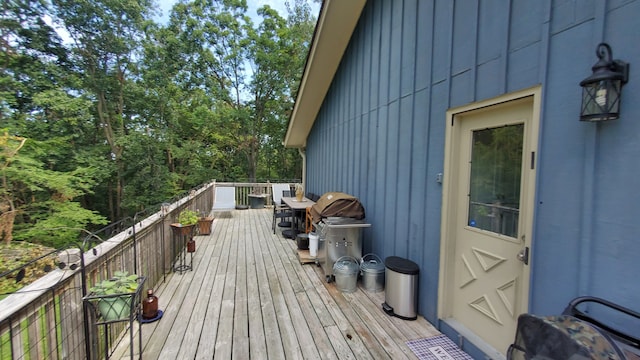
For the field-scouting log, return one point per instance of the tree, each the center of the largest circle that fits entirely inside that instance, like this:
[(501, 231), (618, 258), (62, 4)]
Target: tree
[(277, 53), (213, 38), (125, 113), (39, 177), (31, 57), (106, 34)]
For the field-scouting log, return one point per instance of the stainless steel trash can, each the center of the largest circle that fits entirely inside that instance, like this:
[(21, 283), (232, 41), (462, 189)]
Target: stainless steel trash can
[(401, 295)]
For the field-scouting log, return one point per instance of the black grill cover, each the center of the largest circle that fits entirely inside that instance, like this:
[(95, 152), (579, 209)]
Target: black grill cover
[(337, 204)]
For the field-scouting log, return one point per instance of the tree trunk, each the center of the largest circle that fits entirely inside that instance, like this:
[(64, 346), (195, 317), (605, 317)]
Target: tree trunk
[(252, 158)]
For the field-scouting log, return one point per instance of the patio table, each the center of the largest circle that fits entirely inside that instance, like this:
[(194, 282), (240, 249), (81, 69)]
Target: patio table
[(296, 206)]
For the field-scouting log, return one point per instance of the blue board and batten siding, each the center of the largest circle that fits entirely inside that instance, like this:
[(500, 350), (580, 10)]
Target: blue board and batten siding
[(381, 130)]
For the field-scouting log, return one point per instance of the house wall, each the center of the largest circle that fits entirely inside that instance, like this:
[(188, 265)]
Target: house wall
[(380, 133)]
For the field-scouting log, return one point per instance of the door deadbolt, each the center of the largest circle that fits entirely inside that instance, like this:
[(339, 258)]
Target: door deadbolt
[(523, 255)]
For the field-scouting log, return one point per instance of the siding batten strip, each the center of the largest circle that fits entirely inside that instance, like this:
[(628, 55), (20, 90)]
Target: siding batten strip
[(589, 172)]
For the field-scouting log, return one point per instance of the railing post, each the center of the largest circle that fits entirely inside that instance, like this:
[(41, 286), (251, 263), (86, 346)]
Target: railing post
[(164, 211), (85, 310)]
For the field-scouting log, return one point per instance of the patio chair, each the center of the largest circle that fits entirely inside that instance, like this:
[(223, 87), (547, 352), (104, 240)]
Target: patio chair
[(308, 221), (225, 199), (280, 210)]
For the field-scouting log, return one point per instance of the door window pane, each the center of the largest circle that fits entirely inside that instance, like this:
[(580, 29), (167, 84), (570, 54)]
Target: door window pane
[(494, 194)]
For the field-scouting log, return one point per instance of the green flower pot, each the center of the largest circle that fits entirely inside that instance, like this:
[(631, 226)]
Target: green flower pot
[(115, 308)]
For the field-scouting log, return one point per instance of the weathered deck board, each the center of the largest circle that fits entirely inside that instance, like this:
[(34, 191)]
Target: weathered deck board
[(256, 332), (248, 296)]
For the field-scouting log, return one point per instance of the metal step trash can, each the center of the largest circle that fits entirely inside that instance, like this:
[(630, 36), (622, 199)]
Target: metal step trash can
[(401, 293)]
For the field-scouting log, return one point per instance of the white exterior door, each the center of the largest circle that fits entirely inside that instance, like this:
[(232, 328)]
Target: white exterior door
[(489, 179)]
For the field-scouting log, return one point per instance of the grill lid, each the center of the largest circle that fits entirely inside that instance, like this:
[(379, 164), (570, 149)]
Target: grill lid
[(337, 204)]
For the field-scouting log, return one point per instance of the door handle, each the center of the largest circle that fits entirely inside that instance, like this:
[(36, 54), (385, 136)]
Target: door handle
[(523, 255)]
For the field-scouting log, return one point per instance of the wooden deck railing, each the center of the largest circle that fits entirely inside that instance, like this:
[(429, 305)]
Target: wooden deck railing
[(46, 318), (244, 189)]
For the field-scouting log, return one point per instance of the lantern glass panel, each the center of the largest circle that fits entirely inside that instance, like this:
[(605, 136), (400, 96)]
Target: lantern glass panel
[(601, 100)]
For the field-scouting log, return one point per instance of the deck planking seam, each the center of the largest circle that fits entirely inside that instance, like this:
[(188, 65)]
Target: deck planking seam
[(213, 300), (277, 281), (240, 317), (255, 300), (383, 332), (273, 340), (224, 340), (358, 328), (183, 337), (207, 265), (414, 329), (167, 293), (347, 331), (164, 292), (319, 306), (291, 287), (315, 311), (257, 341)]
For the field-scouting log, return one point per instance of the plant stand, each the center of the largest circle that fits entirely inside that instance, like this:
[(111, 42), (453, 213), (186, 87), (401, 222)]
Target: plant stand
[(110, 309), (181, 235)]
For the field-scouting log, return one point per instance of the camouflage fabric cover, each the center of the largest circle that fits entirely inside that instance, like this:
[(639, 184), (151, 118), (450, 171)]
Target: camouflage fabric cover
[(560, 337)]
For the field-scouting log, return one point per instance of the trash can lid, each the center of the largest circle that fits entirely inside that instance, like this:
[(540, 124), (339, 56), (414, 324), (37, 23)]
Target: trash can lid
[(346, 265), (372, 266), (371, 263), (403, 266)]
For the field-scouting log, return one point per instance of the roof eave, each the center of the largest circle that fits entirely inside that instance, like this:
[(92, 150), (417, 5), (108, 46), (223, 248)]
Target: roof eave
[(338, 19)]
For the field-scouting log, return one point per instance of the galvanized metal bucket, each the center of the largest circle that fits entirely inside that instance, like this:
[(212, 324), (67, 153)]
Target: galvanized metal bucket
[(372, 271), (346, 271)]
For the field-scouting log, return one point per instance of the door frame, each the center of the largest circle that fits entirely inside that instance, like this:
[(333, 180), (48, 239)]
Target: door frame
[(450, 199)]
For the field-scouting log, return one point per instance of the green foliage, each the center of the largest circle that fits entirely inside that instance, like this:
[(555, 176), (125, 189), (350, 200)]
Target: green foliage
[(496, 164), (17, 254), (121, 283), (58, 224), (125, 113), (188, 217)]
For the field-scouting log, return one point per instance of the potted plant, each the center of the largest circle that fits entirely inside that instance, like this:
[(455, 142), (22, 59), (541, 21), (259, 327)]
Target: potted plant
[(113, 296), (204, 223), (188, 217), (186, 222)]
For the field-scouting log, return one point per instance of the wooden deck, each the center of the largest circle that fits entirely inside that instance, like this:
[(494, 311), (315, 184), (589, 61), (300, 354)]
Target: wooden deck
[(249, 297)]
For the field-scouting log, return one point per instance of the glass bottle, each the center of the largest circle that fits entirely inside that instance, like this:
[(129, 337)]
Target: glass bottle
[(191, 245), (150, 305)]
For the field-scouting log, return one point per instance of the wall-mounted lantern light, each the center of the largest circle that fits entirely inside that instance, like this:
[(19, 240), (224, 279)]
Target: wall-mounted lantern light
[(601, 91)]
